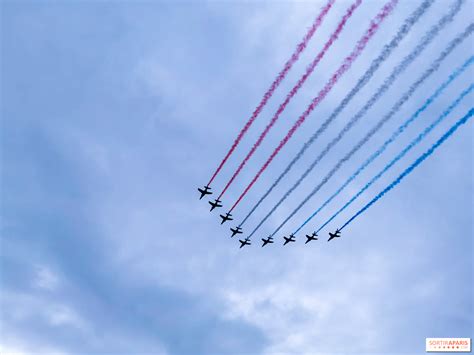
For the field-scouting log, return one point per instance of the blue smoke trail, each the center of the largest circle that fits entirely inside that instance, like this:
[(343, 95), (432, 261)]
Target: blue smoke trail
[(417, 162), (434, 66), (394, 136), (402, 153), (364, 79)]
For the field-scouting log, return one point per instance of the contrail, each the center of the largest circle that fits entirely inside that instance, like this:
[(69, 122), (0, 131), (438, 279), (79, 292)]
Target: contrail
[(374, 26), (294, 91), (363, 80), (417, 162), (417, 140), (394, 136), (294, 58), (379, 92)]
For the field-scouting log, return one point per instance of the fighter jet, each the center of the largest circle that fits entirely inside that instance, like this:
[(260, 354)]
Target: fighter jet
[(289, 239), (215, 204), (336, 234), (311, 237), (204, 191), (226, 218), (246, 241), (236, 230), (269, 240)]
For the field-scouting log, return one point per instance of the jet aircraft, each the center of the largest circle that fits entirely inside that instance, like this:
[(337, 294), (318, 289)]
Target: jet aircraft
[(226, 218), (269, 240), (236, 230), (336, 234), (215, 204), (289, 239), (311, 237), (204, 191), (244, 242)]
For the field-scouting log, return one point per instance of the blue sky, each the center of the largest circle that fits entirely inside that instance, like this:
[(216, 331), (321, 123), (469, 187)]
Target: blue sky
[(113, 113)]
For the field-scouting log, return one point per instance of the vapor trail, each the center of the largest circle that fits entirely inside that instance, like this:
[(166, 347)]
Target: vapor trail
[(394, 136), (374, 26), (417, 162), (428, 38), (294, 58), (294, 91), (417, 140), (364, 79)]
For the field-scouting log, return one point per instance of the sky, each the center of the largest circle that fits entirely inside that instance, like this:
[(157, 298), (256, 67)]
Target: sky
[(113, 113)]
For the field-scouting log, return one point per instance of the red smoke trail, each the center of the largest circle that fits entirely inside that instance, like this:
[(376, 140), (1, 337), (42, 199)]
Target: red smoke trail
[(292, 93), (375, 24), (299, 49)]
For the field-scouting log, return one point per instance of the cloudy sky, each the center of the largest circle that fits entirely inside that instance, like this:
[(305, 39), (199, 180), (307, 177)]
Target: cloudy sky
[(113, 113)]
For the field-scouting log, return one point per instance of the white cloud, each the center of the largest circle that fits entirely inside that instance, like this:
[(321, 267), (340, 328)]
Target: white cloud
[(21, 307), (21, 348), (305, 310), (45, 278), (59, 315), (8, 350)]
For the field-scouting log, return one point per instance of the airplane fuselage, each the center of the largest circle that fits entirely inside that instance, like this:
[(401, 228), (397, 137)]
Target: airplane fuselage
[(267, 241), (236, 231), (204, 191), (310, 238), (334, 235), (244, 242), (226, 218), (215, 204)]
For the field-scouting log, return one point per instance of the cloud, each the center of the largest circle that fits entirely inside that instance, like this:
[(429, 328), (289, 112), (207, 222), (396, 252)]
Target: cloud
[(303, 311), (45, 278)]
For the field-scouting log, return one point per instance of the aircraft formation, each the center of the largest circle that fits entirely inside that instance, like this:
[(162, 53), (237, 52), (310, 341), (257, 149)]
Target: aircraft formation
[(458, 43)]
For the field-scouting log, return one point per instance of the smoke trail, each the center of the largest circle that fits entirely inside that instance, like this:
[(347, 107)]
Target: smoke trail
[(394, 136), (430, 35), (294, 91), (374, 26), (417, 162), (402, 153), (385, 119), (364, 79), (294, 58)]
